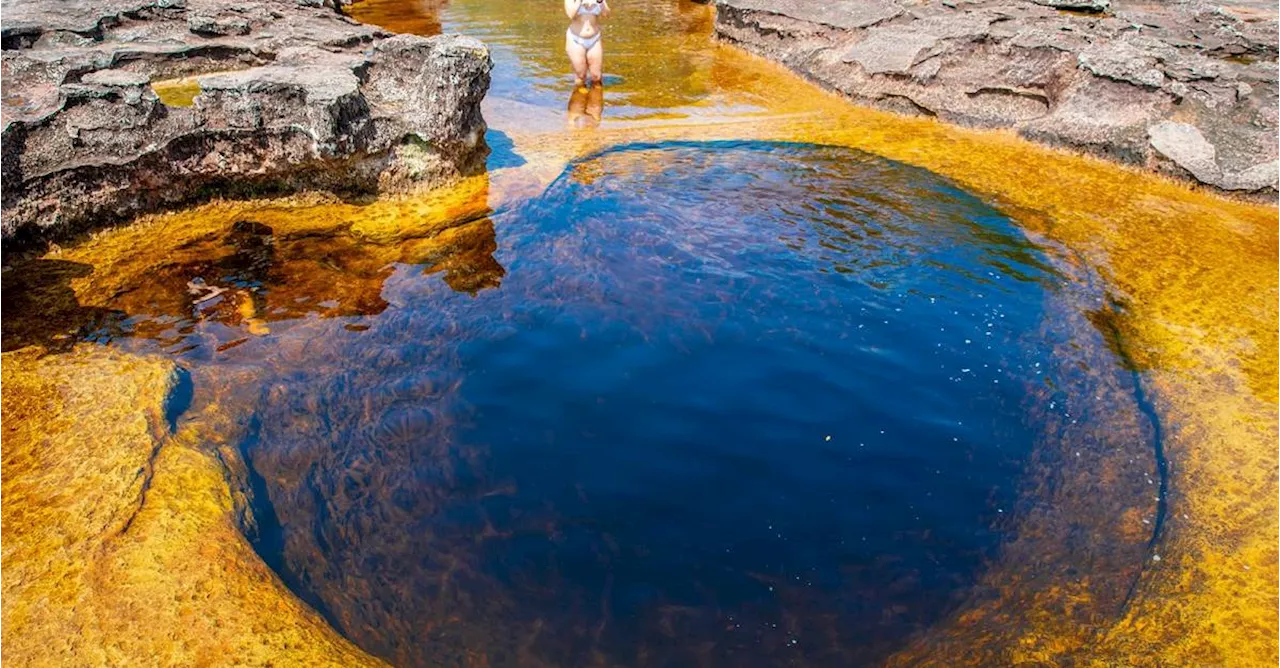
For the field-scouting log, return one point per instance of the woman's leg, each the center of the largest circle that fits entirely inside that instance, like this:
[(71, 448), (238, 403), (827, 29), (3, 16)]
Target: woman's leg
[(577, 58), (595, 62)]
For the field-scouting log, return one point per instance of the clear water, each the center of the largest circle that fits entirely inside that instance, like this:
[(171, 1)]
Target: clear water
[(731, 404), (693, 403), (660, 63)]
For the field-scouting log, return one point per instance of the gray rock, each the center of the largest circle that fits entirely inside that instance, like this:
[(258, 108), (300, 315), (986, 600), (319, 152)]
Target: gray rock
[(1187, 147), (1258, 177), (895, 49), (116, 78), (212, 25), (315, 102), (844, 14), (1048, 38), (1269, 117), (1122, 62), (892, 51), (1101, 85)]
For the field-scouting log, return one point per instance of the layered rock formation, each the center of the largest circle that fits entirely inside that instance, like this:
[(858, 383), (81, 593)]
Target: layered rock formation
[(273, 95), (1183, 88)]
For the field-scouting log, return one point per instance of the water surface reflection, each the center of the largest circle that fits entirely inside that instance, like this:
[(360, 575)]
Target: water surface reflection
[(243, 271), (658, 60), (731, 405), (586, 107)]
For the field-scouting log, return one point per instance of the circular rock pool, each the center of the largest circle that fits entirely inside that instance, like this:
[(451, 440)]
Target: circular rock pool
[(722, 404)]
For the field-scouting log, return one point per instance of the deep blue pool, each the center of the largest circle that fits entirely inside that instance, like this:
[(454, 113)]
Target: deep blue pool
[(731, 404)]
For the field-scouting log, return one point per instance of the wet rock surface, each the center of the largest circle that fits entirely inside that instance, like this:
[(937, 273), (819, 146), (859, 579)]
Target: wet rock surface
[(123, 540), (1187, 89), (287, 96)]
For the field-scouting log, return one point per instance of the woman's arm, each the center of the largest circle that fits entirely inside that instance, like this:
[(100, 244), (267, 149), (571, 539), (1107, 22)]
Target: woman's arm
[(571, 7), (606, 10)]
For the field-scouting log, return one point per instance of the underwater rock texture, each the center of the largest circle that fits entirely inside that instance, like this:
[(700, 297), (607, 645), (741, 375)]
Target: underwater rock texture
[(128, 511), (271, 96), (122, 543), (1185, 88)]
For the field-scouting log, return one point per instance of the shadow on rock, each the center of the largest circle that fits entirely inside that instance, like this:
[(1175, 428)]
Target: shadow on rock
[(44, 310)]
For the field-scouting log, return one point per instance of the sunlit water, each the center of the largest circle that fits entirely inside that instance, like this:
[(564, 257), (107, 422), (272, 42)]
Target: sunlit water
[(705, 403), (659, 62), (693, 403), (730, 404)]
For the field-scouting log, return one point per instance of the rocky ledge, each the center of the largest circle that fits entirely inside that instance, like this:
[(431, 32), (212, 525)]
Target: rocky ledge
[(1183, 88), (270, 96)]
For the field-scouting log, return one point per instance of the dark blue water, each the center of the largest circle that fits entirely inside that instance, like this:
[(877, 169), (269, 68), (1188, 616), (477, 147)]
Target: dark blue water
[(731, 404)]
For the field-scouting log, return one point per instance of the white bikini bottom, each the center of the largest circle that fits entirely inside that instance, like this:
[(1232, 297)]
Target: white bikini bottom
[(585, 42)]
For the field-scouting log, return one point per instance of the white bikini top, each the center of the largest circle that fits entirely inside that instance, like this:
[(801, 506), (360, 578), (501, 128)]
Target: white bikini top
[(594, 11)]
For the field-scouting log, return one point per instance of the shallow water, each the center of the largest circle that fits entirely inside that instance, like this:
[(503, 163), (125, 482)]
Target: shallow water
[(659, 57), (628, 407)]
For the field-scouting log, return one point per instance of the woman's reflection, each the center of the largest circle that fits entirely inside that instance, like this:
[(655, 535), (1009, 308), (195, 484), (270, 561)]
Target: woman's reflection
[(586, 106)]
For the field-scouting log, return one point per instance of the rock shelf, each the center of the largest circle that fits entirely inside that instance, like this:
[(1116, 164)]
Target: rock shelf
[(1183, 88), (287, 96)]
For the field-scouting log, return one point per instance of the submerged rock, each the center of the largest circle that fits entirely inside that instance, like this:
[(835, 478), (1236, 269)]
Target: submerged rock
[(283, 96), (1185, 89), (123, 540)]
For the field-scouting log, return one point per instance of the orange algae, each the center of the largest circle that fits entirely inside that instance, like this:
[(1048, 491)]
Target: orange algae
[(120, 545), (420, 17), (328, 257), (1192, 280), (122, 538)]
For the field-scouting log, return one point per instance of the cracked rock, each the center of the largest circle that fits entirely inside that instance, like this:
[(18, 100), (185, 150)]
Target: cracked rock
[(1103, 85), (312, 100)]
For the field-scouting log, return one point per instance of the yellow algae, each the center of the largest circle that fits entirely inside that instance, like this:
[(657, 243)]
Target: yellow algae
[(180, 92), (433, 212), (1193, 280), (120, 546), (325, 257)]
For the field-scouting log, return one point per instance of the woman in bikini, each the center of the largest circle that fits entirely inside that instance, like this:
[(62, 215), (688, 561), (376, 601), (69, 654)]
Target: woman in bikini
[(582, 41)]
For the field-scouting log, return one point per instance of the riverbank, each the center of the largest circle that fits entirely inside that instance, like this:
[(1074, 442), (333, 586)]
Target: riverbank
[(115, 109), (1186, 89)]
